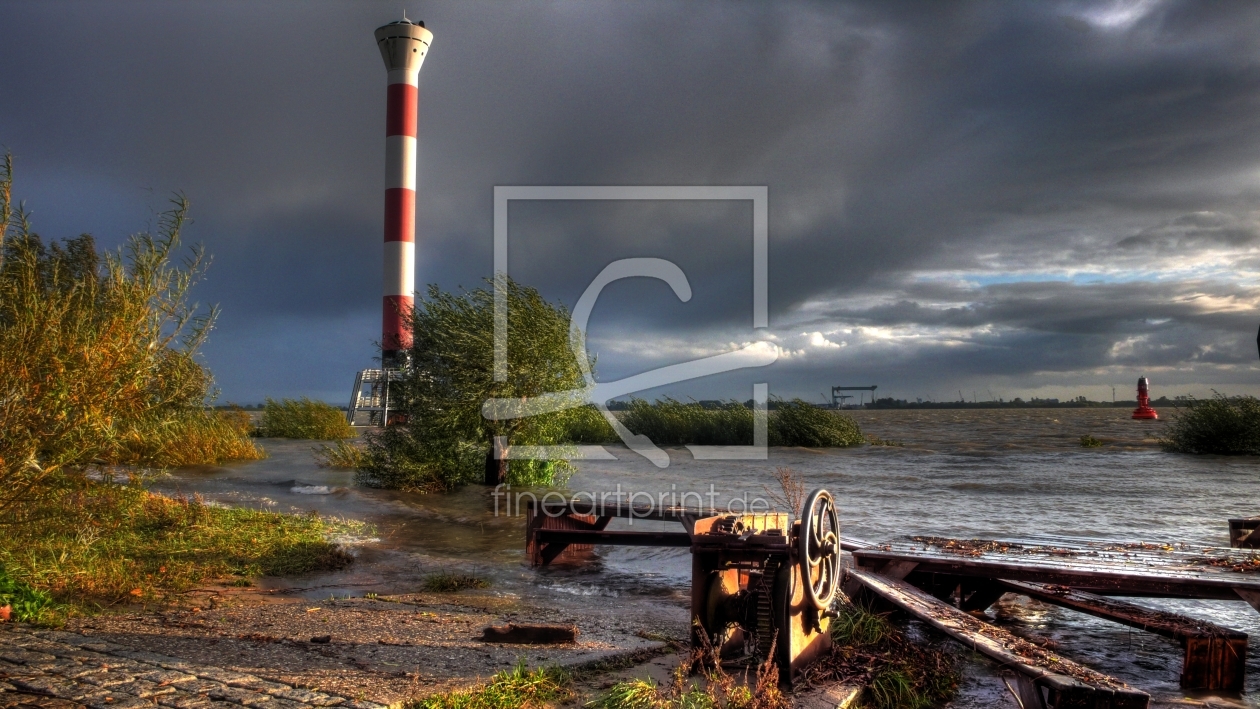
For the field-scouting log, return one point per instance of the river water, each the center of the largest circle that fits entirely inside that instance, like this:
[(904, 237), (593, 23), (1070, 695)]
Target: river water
[(1012, 474)]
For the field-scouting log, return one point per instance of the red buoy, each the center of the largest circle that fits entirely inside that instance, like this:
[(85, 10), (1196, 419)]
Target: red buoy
[(1144, 410)]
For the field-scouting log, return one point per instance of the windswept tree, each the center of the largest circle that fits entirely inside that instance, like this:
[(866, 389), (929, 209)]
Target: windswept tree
[(446, 439)]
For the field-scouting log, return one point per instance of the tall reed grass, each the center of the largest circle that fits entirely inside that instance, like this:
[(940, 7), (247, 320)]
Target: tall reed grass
[(99, 355), (791, 423), (99, 369), (303, 418), (342, 454)]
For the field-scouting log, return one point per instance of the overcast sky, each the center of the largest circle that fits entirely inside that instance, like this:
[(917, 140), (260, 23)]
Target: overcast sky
[(1007, 199)]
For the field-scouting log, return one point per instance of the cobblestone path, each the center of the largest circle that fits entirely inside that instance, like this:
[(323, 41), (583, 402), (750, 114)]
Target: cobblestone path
[(51, 669)]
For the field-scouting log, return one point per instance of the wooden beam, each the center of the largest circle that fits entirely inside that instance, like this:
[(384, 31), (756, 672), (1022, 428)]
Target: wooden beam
[(1084, 572), (635, 539), (1214, 657), (1067, 685), (1251, 597)]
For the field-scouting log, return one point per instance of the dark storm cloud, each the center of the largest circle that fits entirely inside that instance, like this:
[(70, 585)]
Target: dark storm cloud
[(1067, 308), (901, 143)]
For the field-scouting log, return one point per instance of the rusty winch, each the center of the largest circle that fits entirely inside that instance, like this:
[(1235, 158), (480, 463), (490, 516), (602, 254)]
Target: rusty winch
[(761, 584)]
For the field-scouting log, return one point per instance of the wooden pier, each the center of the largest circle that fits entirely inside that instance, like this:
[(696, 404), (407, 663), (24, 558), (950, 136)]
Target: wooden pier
[(1214, 657), (944, 582), (971, 575), (1040, 678)]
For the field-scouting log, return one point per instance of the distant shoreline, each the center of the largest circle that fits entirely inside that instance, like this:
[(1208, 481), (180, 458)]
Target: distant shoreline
[(887, 406)]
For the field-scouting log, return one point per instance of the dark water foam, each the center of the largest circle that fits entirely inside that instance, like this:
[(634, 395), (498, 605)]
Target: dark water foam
[(1009, 474)]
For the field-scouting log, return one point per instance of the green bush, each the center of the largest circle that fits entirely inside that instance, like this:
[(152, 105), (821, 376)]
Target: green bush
[(303, 418), (1223, 425), (669, 422), (446, 439), (586, 425)]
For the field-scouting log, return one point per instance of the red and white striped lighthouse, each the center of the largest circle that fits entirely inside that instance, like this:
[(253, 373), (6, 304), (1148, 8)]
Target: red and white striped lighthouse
[(403, 45)]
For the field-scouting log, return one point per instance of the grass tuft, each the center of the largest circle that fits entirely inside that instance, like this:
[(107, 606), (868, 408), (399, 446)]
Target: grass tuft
[(27, 605), (517, 687), (303, 418), (631, 694), (718, 690), (450, 583), (1225, 425), (898, 673)]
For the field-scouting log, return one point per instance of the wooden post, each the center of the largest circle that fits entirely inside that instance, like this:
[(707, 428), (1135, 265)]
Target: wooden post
[(496, 469)]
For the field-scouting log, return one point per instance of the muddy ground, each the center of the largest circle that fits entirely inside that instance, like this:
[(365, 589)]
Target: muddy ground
[(383, 649)]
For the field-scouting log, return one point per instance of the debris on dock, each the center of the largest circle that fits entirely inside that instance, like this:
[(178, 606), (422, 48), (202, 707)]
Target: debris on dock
[(1043, 678), (530, 634)]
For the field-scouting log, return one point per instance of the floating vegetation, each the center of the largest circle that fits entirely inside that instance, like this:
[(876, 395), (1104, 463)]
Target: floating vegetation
[(1242, 565), (1088, 441), (978, 547)]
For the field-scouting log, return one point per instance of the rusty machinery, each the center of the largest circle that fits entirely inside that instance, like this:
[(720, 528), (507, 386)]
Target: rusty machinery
[(760, 583)]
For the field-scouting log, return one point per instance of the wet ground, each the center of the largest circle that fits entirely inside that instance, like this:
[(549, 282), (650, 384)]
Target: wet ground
[(1012, 474)]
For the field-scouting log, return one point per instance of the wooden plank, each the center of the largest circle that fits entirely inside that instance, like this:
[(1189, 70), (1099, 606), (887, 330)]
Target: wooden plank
[(1169, 625), (1214, 657), (1109, 579), (1251, 597), (617, 508), (1066, 685), (635, 539), (542, 553)]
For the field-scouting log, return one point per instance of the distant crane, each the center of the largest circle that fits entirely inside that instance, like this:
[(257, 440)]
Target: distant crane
[(837, 400)]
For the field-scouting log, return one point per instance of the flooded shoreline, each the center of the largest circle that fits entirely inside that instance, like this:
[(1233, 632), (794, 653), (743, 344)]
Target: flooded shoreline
[(1013, 474)]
